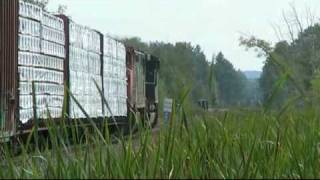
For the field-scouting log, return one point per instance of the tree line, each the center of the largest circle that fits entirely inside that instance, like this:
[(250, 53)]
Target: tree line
[(185, 68), (291, 72)]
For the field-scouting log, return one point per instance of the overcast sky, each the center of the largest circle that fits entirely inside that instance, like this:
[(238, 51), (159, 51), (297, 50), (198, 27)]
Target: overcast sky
[(215, 25)]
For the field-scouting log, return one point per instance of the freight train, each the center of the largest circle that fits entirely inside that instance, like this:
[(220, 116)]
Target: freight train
[(52, 68)]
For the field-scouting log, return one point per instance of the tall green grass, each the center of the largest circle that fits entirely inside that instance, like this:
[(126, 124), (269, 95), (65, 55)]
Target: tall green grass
[(239, 144), (234, 144)]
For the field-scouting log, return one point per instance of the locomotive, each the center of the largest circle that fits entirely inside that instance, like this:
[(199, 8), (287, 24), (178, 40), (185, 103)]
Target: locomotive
[(52, 68)]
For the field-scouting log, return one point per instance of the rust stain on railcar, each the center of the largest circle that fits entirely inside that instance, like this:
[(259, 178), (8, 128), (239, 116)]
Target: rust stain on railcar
[(8, 64)]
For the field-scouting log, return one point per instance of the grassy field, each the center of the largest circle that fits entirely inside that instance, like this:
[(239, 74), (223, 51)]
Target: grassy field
[(233, 144)]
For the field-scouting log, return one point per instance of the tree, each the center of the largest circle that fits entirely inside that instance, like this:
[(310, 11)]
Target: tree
[(213, 86), (231, 83), (297, 62), (62, 9), (271, 74), (183, 66), (42, 3)]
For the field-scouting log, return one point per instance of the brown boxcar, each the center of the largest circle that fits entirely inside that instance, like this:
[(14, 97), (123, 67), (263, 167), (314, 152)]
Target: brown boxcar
[(8, 66), (10, 124)]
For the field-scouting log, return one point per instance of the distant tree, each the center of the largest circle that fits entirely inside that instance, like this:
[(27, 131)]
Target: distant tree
[(42, 3), (271, 74), (230, 82), (137, 43), (183, 66), (296, 61), (62, 9), (213, 86)]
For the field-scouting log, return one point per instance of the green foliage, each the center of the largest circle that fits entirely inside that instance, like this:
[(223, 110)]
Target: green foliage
[(182, 66), (237, 144), (213, 85), (271, 74), (231, 84), (299, 60), (315, 83)]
